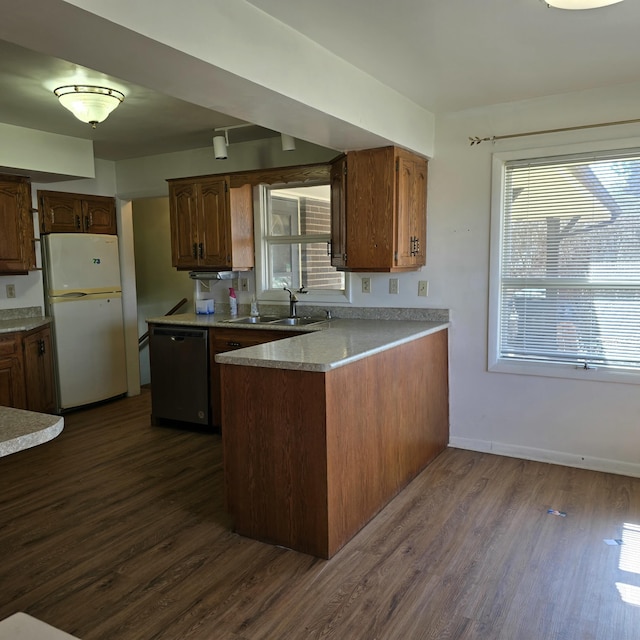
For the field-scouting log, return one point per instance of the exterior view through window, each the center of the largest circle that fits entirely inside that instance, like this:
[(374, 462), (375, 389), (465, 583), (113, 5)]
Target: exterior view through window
[(297, 239), (569, 291)]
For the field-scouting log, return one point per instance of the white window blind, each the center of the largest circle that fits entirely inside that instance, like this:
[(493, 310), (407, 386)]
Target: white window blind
[(570, 261)]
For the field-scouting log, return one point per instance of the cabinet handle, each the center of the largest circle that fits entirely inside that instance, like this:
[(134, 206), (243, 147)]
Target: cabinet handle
[(77, 222), (233, 344), (201, 247), (52, 214), (87, 224), (41, 347), (195, 249)]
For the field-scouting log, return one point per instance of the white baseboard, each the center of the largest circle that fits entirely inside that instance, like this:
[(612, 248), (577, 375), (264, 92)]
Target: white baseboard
[(545, 455)]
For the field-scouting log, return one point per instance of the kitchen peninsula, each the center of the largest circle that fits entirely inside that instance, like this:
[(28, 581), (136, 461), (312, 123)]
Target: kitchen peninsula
[(321, 430)]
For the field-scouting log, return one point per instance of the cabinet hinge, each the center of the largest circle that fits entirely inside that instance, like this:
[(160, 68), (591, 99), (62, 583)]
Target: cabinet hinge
[(395, 256)]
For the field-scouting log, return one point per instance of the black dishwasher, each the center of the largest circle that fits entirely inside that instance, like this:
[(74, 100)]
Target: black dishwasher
[(179, 362)]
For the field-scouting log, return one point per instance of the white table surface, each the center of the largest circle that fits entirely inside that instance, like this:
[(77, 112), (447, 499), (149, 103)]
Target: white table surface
[(21, 626)]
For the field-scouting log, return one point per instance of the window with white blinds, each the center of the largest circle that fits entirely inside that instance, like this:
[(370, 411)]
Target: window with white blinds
[(569, 290)]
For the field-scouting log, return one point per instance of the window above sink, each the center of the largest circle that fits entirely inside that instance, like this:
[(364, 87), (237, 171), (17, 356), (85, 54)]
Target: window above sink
[(293, 243)]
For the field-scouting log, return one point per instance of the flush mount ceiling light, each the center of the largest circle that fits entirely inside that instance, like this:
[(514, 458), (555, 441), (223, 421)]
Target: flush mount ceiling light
[(579, 4), (89, 103)]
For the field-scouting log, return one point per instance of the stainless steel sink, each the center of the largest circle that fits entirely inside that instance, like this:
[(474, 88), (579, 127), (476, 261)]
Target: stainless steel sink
[(305, 320), (253, 320), (301, 321)]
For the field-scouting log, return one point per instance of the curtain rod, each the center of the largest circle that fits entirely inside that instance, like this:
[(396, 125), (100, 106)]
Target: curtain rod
[(475, 140)]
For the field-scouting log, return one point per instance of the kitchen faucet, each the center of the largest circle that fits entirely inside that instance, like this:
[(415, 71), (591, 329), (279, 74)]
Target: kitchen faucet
[(293, 301)]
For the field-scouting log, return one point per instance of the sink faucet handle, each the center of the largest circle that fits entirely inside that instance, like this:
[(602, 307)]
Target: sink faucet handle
[(302, 290)]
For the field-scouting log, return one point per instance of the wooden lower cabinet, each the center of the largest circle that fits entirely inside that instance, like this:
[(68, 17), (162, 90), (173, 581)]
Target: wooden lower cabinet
[(221, 340), (311, 457), (39, 381), (11, 373), (26, 370)]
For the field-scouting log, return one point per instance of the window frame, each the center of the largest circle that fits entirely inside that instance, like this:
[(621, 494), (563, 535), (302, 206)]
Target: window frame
[(319, 296), (495, 363)]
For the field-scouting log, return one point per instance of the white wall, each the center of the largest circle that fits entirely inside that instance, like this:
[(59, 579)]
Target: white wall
[(159, 286), (527, 416)]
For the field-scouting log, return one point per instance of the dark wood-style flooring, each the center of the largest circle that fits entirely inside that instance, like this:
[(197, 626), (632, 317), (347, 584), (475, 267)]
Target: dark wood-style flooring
[(117, 530)]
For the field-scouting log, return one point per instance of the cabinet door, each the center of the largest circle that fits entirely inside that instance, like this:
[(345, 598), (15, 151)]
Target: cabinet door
[(214, 226), (38, 371), (60, 212), (338, 213), (183, 204), (17, 251), (411, 212), (11, 376), (99, 215), (371, 183)]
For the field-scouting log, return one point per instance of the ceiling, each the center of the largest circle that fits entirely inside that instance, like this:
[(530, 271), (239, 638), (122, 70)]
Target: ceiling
[(445, 56)]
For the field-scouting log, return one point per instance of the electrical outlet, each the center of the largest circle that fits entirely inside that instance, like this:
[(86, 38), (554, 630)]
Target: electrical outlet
[(244, 284), (366, 285), (11, 291), (423, 288), (393, 285)]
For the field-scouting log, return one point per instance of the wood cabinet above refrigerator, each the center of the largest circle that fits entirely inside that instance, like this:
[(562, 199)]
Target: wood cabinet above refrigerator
[(76, 213)]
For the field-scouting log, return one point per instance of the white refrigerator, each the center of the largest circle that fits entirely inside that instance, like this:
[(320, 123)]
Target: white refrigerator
[(83, 295)]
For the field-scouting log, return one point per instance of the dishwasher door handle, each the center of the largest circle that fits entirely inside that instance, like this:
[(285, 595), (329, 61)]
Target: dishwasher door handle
[(177, 338)]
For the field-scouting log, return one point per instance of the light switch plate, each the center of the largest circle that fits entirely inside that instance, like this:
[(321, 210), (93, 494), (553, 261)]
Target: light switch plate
[(423, 288), (11, 291)]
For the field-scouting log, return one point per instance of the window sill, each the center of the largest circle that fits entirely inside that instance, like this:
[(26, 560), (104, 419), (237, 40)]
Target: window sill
[(567, 371)]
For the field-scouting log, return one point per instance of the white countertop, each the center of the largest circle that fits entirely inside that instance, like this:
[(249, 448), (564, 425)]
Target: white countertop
[(21, 626), (21, 429), (324, 346), (337, 344), (23, 324)]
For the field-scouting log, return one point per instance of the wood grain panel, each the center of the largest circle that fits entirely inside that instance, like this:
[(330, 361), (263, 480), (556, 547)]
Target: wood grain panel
[(388, 417), (337, 445), (241, 226), (370, 203), (222, 340), (275, 455)]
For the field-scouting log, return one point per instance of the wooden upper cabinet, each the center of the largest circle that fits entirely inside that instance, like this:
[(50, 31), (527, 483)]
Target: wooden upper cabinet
[(76, 213), (211, 224), (411, 211), (99, 214), (17, 248), (338, 181), (384, 218)]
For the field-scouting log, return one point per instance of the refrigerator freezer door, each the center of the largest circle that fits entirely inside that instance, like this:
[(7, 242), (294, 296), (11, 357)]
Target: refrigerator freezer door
[(85, 262), (90, 352)]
